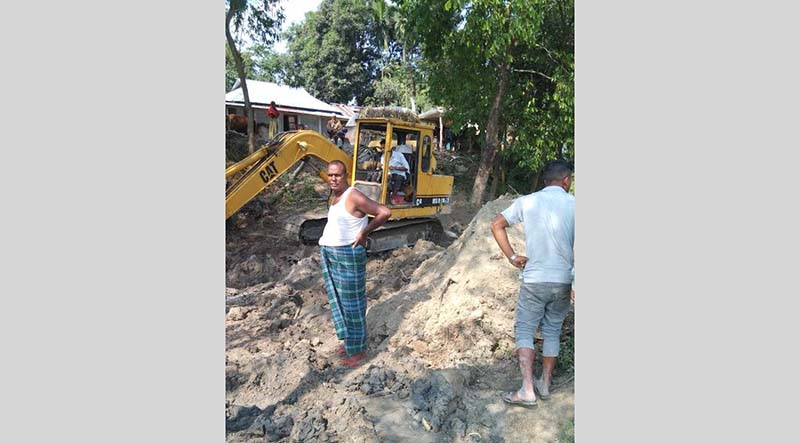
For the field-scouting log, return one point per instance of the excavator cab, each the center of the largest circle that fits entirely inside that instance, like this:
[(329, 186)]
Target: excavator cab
[(421, 188)]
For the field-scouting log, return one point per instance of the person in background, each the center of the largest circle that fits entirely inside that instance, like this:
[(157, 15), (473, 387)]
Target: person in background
[(273, 114), (333, 126), (398, 169)]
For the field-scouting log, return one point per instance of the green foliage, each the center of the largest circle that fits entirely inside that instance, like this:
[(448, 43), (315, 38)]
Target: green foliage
[(334, 52), (260, 63), (260, 22), (394, 89), (384, 16), (269, 65), (388, 91), (354, 49), (567, 432), (230, 67), (566, 354), (466, 45), (256, 20)]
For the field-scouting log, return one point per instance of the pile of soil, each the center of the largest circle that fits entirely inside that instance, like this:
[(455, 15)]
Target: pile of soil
[(261, 245), (440, 353)]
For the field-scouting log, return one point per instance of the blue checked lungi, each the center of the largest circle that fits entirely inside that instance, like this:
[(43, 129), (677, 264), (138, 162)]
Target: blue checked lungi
[(344, 270)]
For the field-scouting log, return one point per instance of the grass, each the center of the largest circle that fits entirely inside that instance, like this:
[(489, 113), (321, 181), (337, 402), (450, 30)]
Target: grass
[(566, 356), (567, 432)]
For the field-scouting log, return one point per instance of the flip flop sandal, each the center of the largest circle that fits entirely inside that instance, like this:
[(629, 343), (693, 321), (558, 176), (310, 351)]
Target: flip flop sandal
[(351, 362), (538, 386), (508, 398)]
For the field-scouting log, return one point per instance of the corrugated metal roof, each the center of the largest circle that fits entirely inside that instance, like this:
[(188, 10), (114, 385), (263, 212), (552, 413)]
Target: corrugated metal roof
[(264, 92), (347, 111), (286, 109)]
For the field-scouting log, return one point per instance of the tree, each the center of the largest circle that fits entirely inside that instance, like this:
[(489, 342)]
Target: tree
[(485, 55), (260, 63), (260, 21), (394, 89), (269, 65), (543, 107), (231, 73), (383, 14), (333, 53)]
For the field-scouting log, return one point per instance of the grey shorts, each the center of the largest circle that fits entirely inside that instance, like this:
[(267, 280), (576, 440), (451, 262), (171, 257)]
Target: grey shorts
[(542, 305)]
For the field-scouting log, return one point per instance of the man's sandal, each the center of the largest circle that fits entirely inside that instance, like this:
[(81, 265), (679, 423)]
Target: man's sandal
[(354, 360), (509, 399), (538, 386)]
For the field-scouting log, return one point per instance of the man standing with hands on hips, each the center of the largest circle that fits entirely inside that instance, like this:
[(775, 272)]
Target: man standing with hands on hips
[(344, 259), (548, 218)]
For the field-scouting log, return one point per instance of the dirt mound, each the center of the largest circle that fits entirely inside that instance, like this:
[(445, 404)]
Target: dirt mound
[(440, 352), (260, 244)]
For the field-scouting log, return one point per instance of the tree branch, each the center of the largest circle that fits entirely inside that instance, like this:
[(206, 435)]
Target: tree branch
[(530, 71), (550, 54)]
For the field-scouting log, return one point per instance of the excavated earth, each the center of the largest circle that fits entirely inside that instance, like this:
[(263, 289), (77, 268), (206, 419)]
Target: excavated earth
[(440, 354)]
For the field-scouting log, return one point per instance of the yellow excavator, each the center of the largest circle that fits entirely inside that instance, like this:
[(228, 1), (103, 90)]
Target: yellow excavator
[(414, 209)]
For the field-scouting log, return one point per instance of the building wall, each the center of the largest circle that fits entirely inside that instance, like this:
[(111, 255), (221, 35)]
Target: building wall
[(312, 122)]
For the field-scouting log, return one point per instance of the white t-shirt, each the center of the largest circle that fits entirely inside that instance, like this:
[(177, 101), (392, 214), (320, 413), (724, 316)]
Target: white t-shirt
[(397, 160), (548, 217)]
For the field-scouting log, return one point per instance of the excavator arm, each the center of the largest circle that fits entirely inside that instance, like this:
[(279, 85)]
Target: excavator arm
[(265, 166)]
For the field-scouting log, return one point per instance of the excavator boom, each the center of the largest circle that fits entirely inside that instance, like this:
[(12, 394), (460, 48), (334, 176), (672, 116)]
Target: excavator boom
[(270, 162)]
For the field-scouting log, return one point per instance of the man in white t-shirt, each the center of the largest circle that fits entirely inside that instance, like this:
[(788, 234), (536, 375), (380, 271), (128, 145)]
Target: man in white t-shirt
[(548, 218), (398, 169)]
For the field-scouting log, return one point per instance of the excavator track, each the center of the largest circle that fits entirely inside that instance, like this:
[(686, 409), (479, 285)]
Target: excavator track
[(393, 234)]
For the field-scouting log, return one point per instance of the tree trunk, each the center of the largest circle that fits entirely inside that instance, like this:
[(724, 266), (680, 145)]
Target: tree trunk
[(498, 174), (237, 58), (413, 93), (413, 81), (495, 176), (490, 150), (502, 154), (441, 131)]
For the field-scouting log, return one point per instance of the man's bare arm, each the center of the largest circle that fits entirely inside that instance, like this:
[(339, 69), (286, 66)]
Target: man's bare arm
[(499, 225), (364, 204)]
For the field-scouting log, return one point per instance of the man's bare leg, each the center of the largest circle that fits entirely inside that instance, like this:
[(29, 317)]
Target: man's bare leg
[(526, 367), (548, 363), (543, 384)]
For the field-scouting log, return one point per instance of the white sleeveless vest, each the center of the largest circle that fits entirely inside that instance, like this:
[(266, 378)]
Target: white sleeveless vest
[(342, 227)]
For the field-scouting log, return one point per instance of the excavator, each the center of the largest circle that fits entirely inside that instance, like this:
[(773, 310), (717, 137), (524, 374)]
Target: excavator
[(414, 209)]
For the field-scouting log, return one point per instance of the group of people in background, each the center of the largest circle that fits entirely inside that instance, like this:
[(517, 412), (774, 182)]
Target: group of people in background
[(449, 142)]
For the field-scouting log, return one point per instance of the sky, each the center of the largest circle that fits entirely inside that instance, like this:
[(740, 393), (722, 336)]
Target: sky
[(294, 11)]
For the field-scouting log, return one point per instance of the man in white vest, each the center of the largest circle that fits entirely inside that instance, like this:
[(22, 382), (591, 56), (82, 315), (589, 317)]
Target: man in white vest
[(344, 259)]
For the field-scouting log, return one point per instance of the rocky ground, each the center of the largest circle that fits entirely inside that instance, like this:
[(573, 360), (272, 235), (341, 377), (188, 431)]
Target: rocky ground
[(440, 321)]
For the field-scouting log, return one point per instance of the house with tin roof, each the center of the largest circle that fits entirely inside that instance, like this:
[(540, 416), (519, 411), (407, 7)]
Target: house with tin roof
[(296, 106)]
